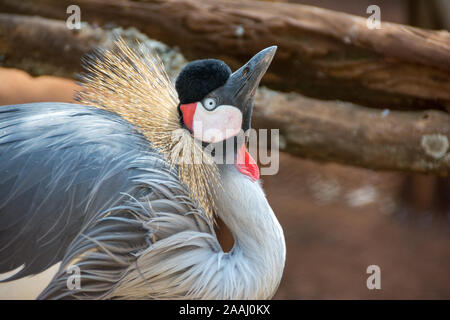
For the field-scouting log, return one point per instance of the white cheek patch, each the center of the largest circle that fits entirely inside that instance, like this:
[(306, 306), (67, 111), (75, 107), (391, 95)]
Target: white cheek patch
[(214, 126)]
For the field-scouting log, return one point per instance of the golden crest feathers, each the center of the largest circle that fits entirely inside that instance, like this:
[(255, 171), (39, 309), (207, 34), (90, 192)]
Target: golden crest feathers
[(134, 84)]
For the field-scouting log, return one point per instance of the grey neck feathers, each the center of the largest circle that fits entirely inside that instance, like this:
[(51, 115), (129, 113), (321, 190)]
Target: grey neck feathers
[(258, 256)]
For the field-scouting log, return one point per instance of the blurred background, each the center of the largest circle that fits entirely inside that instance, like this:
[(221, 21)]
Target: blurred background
[(338, 219)]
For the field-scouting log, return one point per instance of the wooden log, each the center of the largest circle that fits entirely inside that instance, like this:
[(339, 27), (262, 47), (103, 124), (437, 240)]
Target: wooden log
[(44, 46), (334, 131), (321, 130), (323, 54)]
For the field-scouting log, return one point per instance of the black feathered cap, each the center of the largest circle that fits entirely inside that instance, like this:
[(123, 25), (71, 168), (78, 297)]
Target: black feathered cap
[(200, 77)]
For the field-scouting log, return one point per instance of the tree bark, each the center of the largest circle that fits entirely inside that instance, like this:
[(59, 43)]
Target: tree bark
[(323, 54), (44, 46), (346, 133), (320, 130)]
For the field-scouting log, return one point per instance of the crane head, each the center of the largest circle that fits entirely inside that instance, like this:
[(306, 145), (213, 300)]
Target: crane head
[(215, 104)]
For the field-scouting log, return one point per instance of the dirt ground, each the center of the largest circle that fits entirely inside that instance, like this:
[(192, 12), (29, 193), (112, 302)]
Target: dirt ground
[(332, 239), (337, 221)]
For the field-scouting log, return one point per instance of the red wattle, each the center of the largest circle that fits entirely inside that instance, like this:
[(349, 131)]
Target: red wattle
[(188, 111), (246, 164)]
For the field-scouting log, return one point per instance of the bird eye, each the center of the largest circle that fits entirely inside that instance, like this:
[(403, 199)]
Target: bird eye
[(209, 103)]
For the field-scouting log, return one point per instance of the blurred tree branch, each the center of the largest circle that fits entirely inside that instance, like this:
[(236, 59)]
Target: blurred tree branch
[(44, 46), (321, 130), (322, 53), (347, 133)]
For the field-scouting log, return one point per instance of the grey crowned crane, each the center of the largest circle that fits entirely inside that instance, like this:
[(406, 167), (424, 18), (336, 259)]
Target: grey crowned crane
[(109, 190)]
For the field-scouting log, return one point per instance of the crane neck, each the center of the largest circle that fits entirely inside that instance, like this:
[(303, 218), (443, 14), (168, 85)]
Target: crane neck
[(259, 246)]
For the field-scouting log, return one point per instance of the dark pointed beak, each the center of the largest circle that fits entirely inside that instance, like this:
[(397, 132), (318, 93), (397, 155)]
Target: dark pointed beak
[(241, 86)]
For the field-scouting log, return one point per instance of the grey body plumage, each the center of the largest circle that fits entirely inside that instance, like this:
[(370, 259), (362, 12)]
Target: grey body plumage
[(86, 153), (106, 192), (119, 209), (97, 160)]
